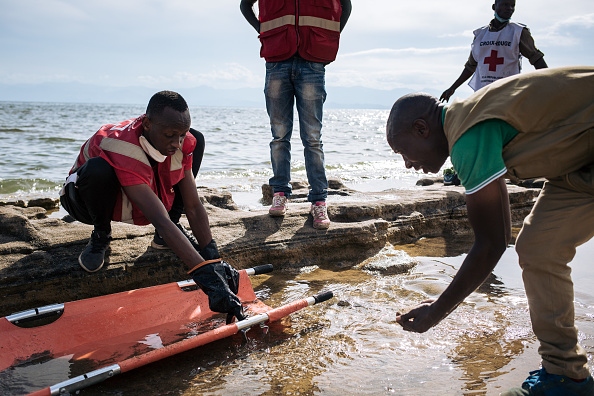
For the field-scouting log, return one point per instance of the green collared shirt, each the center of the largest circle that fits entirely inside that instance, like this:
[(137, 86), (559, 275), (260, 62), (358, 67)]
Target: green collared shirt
[(477, 154)]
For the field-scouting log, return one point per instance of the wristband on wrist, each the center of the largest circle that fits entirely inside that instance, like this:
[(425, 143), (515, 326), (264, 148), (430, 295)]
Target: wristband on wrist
[(202, 264)]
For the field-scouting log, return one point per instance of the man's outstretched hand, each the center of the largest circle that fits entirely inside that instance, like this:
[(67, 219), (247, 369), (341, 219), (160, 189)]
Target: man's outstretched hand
[(419, 319)]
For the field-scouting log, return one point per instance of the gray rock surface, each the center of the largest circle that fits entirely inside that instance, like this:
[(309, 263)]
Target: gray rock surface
[(38, 254)]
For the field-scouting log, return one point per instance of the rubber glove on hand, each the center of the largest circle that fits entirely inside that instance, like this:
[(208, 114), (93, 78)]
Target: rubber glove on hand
[(210, 251), (220, 282)]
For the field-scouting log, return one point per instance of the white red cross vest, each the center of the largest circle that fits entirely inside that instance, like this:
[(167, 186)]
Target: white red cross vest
[(497, 54), (118, 144), (310, 28)]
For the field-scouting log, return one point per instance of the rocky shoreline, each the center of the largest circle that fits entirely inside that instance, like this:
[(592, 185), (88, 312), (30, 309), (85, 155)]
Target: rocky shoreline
[(38, 254)]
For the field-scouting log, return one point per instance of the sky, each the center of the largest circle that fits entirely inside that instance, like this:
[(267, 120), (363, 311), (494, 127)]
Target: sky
[(387, 44)]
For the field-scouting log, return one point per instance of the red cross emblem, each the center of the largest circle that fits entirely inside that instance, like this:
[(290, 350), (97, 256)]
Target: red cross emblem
[(493, 61)]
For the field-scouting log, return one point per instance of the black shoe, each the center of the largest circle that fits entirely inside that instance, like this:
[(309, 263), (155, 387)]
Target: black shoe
[(92, 257), (160, 244)]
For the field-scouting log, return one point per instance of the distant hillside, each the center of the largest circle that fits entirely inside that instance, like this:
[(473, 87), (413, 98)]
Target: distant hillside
[(338, 97)]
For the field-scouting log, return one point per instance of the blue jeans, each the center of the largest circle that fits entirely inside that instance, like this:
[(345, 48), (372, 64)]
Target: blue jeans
[(286, 81)]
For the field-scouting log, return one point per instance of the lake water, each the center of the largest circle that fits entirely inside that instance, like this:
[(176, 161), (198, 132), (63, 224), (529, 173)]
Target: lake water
[(350, 344), (40, 142)]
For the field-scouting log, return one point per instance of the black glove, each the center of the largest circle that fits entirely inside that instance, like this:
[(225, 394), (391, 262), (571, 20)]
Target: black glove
[(210, 251), (220, 282)]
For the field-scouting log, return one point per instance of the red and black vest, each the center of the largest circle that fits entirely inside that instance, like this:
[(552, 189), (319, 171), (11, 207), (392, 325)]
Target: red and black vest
[(118, 144), (310, 28)]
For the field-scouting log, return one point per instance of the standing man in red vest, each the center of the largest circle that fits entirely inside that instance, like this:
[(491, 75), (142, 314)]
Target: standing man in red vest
[(142, 171), (497, 50), (299, 38)]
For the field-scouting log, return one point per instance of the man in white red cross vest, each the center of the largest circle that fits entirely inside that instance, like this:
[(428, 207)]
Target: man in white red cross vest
[(497, 50)]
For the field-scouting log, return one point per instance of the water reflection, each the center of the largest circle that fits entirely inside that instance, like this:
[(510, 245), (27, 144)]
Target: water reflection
[(352, 344), (43, 373)]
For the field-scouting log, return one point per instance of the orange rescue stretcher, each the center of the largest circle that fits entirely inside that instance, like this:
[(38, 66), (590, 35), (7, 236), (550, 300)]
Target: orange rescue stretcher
[(119, 332)]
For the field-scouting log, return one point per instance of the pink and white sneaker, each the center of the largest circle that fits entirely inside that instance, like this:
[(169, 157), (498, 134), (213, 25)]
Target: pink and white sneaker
[(279, 205), (319, 211)]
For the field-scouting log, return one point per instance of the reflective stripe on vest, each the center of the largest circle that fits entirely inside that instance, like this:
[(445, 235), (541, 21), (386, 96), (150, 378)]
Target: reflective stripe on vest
[(131, 151), (134, 152), (276, 23), (86, 150), (176, 161), (319, 22), (126, 209), (309, 28), (127, 149), (118, 144), (303, 21)]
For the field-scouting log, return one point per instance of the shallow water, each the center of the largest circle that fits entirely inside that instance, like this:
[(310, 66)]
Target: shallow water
[(348, 345), (40, 142), (352, 344)]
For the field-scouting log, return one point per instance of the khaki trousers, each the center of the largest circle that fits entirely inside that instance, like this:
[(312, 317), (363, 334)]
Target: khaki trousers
[(561, 220)]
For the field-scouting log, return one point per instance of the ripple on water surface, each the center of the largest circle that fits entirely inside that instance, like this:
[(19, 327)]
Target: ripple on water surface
[(352, 344)]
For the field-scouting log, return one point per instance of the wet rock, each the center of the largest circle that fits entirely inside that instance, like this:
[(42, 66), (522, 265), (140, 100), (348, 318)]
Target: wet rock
[(220, 199), (390, 261), (15, 222), (19, 203), (531, 183), (394, 269), (68, 219), (427, 181), (46, 203), (39, 254)]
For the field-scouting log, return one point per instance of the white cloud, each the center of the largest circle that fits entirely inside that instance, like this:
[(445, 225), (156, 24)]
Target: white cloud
[(467, 34), (230, 75), (383, 16), (38, 78), (386, 68), (378, 52), (564, 32), (386, 44)]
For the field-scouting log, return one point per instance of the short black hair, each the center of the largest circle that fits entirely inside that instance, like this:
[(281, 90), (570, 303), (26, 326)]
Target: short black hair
[(405, 110), (164, 99)]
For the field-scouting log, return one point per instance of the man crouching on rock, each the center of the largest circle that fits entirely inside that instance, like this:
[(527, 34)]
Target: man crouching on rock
[(135, 172), (531, 125)]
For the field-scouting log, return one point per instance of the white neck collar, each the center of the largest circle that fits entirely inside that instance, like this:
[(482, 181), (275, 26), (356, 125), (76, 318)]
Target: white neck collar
[(150, 150)]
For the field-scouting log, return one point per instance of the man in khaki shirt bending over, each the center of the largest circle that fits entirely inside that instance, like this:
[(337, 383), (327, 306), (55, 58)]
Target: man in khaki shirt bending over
[(537, 124)]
